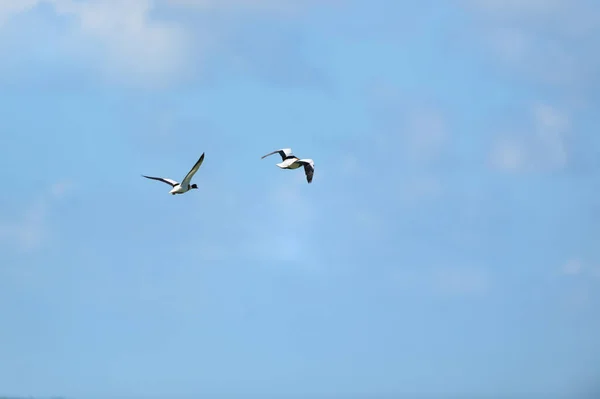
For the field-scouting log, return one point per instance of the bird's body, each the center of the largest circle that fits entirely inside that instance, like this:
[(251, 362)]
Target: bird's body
[(184, 186), (290, 161), (179, 189)]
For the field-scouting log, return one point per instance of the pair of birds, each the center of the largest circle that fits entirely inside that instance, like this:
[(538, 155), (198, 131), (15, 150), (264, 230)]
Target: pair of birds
[(288, 161)]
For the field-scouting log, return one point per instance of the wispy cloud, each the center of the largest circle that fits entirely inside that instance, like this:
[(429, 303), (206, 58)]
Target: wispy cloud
[(542, 148), (9, 8), (288, 233), (572, 267), (29, 232), (461, 281), (286, 6), (283, 236), (424, 133), (445, 281), (420, 188), (415, 127), (577, 279), (415, 133), (551, 41), (580, 268), (134, 43), (121, 40)]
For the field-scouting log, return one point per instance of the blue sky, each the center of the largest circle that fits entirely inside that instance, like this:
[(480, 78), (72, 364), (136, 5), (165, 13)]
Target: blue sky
[(449, 242)]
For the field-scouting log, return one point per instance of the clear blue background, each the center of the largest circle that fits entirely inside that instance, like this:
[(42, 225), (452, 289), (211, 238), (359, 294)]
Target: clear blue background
[(449, 243)]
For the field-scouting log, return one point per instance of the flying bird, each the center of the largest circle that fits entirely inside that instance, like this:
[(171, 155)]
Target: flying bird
[(290, 161), (184, 186)]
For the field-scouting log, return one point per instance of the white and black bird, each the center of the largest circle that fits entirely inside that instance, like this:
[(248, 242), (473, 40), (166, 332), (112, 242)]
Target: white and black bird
[(184, 186), (290, 161)]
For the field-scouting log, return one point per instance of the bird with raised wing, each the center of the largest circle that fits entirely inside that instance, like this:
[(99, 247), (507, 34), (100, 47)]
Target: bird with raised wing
[(309, 168), (290, 161), (184, 186)]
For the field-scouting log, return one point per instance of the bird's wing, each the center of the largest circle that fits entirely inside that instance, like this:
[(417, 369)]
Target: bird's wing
[(284, 152), (309, 168), (192, 172), (170, 182)]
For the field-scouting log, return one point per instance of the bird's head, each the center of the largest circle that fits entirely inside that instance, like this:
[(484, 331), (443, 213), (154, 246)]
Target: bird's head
[(194, 186)]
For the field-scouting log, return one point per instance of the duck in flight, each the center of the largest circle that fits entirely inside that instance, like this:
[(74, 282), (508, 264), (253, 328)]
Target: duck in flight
[(290, 161), (184, 186)]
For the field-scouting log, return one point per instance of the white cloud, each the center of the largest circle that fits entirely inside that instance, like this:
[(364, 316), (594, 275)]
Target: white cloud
[(552, 41), (128, 42), (133, 42), (120, 38), (249, 5), (572, 267), (412, 131), (9, 8), (30, 231), (583, 276), (409, 125), (61, 188), (542, 149), (579, 267), (508, 154), (532, 7)]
